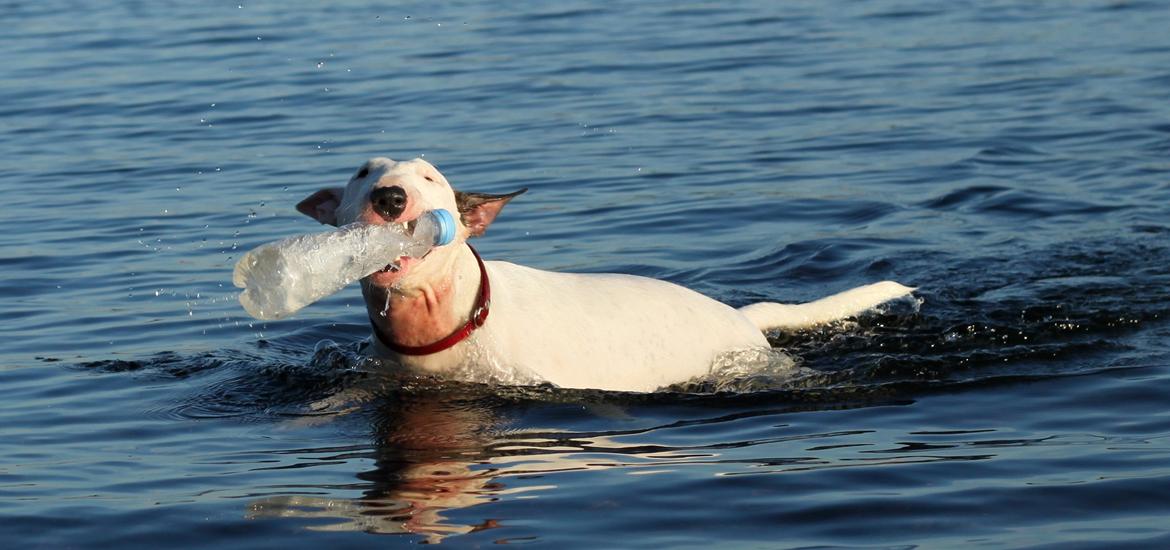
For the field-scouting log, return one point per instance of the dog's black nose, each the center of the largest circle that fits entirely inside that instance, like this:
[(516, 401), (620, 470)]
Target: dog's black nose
[(389, 202)]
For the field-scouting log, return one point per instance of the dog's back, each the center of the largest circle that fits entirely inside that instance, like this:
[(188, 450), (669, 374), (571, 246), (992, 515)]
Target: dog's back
[(608, 331)]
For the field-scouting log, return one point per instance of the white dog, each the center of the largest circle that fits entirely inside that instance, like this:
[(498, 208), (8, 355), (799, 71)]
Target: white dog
[(450, 310)]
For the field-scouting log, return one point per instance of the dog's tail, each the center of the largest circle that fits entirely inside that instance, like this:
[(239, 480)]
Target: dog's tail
[(768, 315)]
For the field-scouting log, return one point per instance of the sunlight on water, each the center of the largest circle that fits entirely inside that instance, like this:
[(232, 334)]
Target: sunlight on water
[(1007, 159)]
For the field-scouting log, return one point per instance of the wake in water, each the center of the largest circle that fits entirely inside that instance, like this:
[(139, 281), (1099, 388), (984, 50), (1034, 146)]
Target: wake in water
[(1070, 311)]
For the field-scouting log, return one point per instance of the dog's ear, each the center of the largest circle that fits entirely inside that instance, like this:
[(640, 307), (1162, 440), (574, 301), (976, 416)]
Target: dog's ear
[(479, 210), (322, 205)]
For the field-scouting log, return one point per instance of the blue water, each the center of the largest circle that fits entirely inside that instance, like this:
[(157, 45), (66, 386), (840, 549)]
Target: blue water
[(1011, 159)]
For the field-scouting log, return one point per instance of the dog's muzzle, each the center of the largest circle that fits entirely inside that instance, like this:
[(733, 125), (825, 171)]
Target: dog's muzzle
[(388, 202)]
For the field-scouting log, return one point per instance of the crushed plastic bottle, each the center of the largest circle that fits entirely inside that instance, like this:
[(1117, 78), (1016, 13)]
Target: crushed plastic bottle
[(280, 278)]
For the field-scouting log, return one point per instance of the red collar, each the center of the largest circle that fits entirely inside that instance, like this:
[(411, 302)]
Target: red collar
[(478, 317)]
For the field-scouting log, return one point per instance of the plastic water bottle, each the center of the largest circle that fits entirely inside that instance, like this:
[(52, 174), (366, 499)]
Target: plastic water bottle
[(280, 278)]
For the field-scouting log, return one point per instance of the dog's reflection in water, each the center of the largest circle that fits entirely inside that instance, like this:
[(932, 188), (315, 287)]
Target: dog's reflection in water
[(432, 456)]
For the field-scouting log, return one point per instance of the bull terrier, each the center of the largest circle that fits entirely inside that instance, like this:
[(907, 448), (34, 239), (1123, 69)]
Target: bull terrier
[(450, 311)]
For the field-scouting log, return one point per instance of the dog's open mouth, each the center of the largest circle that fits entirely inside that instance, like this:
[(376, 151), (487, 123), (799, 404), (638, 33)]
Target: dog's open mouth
[(397, 267), (392, 267)]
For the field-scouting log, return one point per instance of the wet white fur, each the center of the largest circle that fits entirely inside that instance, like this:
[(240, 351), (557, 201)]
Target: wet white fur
[(607, 331)]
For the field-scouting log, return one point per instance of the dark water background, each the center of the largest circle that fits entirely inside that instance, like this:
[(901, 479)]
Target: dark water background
[(1012, 159)]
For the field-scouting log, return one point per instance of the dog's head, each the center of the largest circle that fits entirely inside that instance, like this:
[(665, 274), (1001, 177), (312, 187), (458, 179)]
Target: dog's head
[(385, 191)]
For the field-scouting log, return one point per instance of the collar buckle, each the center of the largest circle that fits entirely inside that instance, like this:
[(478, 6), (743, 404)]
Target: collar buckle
[(478, 317)]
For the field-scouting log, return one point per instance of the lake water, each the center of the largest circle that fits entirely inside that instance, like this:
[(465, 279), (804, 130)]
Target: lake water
[(1010, 159)]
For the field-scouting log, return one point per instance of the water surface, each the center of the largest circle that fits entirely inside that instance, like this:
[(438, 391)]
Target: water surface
[(1007, 158)]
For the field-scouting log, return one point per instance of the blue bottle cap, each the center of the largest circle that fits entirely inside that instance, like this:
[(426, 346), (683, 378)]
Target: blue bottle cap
[(446, 223)]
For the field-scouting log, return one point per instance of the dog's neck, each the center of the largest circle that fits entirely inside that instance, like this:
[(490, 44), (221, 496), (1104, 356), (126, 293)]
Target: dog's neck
[(423, 310)]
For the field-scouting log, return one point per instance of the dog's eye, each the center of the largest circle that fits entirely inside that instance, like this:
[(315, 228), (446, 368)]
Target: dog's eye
[(365, 171), (430, 179)]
